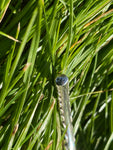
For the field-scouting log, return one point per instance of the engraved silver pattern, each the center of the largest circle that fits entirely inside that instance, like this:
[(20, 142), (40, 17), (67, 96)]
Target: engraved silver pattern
[(62, 84)]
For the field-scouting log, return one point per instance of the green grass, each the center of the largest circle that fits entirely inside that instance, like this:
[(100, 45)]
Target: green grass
[(39, 40)]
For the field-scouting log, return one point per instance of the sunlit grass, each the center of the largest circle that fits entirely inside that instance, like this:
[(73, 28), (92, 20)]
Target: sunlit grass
[(39, 40)]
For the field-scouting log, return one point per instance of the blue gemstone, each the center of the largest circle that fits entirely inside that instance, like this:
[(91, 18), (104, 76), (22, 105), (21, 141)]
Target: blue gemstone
[(62, 80)]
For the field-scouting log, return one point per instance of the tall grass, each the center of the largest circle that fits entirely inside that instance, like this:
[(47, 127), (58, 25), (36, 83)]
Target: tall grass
[(39, 40)]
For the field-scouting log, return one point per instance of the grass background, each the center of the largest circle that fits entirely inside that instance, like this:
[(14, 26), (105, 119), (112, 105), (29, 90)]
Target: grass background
[(39, 40)]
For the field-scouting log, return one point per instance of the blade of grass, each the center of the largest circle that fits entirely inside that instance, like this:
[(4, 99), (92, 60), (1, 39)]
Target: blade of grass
[(109, 142), (10, 56), (22, 136), (43, 126), (64, 61), (3, 8), (4, 90), (21, 103), (11, 102), (58, 146)]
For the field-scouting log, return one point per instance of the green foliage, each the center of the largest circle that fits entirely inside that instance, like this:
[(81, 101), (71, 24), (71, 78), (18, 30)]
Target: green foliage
[(39, 40)]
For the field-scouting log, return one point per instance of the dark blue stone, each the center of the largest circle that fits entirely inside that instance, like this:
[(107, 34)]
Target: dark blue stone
[(62, 80)]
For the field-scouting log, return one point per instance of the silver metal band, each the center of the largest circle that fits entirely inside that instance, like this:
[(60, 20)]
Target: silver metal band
[(62, 84)]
